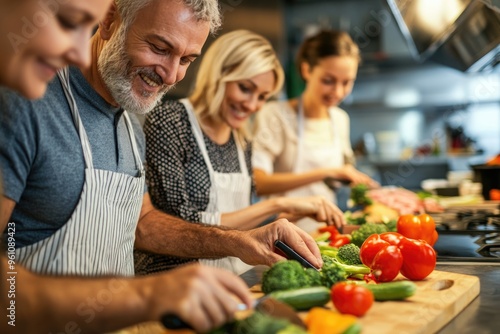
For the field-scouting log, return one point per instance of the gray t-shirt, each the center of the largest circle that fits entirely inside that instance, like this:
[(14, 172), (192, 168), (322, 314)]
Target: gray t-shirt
[(41, 154)]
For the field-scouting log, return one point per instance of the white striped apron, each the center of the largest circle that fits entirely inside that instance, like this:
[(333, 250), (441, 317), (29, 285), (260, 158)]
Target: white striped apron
[(228, 192), (98, 239)]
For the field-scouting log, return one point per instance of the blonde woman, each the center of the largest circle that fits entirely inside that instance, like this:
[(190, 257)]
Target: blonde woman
[(303, 141), (199, 153)]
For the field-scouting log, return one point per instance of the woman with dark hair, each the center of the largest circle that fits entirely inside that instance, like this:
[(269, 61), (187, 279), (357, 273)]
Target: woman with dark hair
[(303, 141)]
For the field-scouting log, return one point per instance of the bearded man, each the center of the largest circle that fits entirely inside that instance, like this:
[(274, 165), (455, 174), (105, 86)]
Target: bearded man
[(73, 163)]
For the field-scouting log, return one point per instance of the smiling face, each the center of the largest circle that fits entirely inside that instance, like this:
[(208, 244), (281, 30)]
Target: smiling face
[(331, 80), (41, 37), (245, 97), (141, 64)]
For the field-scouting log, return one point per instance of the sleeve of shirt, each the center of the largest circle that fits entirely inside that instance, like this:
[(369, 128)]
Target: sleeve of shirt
[(268, 140), (17, 142), (167, 146)]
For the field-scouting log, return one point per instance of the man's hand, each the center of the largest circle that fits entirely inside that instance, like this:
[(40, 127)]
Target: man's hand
[(204, 297), (257, 246)]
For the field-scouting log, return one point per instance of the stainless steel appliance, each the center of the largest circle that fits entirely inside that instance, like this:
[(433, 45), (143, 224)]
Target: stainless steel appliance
[(469, 233), (463, 34)]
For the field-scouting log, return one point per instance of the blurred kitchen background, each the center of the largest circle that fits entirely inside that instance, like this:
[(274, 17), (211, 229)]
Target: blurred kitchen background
[(428, 90)]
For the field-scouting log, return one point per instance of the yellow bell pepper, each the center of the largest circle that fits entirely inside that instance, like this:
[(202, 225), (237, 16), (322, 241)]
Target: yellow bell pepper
[(323, 321)]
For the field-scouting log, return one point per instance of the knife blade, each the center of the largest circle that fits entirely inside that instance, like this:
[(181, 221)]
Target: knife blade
[(293, 255), (265, 304)]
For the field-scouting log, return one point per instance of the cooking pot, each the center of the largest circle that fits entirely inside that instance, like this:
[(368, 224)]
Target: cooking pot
[(488, 176)]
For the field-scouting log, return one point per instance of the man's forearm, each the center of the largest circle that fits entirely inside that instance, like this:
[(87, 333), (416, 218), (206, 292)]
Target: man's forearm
[(58, 304), (161, 233)]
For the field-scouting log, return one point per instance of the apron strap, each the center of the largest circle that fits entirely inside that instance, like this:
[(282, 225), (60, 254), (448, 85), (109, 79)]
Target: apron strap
[(87, 154), (137, 156), (198, 134)]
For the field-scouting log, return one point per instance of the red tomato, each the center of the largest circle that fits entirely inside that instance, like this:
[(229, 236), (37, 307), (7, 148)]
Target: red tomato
[(419, 259), (372, 245), (331, 229), (495, 194), (409, 226), (387, 263), (417, 227), (340, 240), (351, 298), (392, 237)]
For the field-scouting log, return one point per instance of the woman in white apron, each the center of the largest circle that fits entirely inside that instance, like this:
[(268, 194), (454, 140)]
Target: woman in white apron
[(302, 142), (198, 153)]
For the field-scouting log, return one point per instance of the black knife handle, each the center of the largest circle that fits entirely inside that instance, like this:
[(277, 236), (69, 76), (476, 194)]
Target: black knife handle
[(171, 321), (293, 255)]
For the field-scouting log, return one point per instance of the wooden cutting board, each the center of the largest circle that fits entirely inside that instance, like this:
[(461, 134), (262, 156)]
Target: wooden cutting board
[(438, 299)]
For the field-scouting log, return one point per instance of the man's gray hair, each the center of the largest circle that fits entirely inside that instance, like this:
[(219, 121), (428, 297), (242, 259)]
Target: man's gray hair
[(204, 10)]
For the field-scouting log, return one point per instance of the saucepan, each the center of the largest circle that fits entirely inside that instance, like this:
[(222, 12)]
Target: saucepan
[(488, 176)]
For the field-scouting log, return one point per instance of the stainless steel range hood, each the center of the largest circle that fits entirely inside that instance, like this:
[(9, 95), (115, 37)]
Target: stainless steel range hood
[(463, 34)]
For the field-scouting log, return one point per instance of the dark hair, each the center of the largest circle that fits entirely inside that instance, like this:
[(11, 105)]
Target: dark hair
[(324, 44)]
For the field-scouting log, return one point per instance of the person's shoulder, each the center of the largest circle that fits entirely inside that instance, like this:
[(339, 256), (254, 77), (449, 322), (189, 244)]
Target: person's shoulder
[(17, 110), (167, 111), (339, 112), (168, 116)]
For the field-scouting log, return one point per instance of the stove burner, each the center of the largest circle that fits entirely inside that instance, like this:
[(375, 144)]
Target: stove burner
[(469, 233), (464, 213)]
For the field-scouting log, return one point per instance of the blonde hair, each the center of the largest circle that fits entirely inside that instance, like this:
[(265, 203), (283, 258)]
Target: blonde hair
[(237, 55)]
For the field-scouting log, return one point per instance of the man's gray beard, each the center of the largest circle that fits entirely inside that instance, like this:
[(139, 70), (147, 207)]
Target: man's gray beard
[(114, 67)]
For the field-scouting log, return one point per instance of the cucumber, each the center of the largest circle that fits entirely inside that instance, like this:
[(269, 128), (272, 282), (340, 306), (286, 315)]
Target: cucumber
[(353, 329), (304, 298), (390, 290)]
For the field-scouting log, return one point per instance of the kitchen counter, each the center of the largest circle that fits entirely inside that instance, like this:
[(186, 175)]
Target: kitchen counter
[(479, 317)]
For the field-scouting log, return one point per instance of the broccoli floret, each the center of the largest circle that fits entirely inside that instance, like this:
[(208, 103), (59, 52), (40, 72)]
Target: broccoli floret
[(361, 234), (260, 323), (284, 275), (333, 271), (349, 254), (391, 225), (314, 277), (358, 195)]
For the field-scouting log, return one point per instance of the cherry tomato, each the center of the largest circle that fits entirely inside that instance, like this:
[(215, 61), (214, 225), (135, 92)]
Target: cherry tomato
[(332, 229), (340, 240), (419, 259), (372, 245), (392, 237), (387, 263), (495, 194), (351, 298)]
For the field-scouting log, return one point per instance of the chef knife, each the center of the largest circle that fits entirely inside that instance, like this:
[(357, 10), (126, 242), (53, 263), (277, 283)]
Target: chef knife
[(293, 255), (265, 304)]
